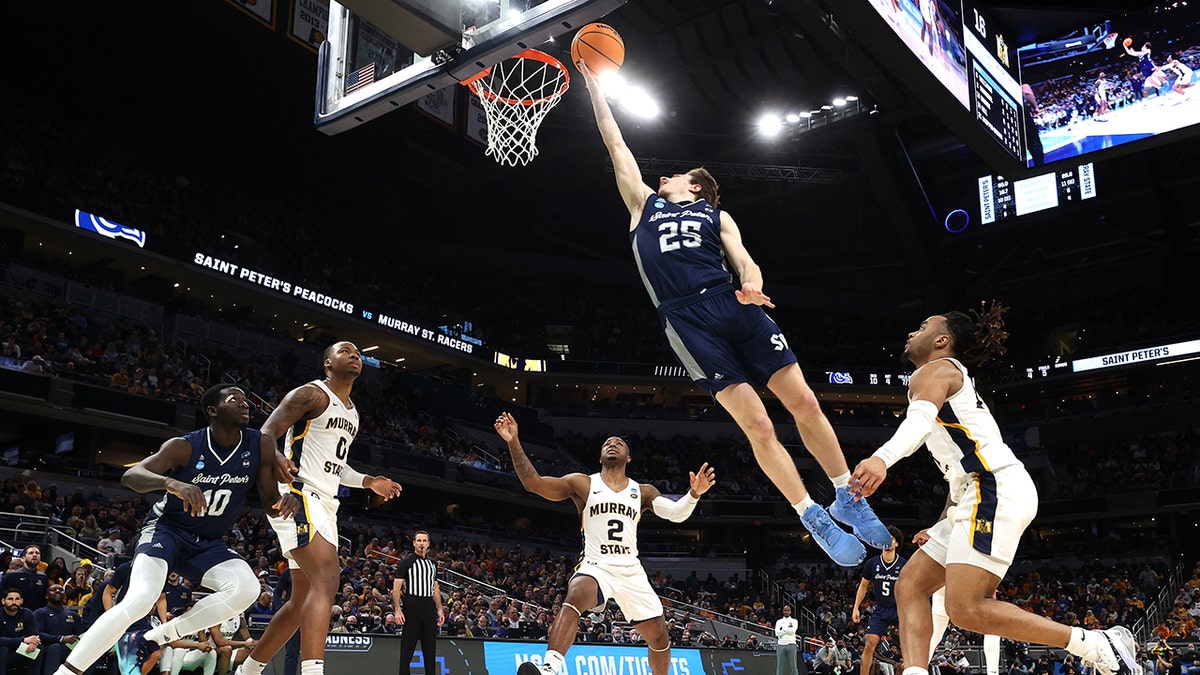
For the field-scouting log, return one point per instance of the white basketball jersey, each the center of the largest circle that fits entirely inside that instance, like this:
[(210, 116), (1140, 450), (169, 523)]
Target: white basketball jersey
[(610, 520), (320, 446), (967, 439), (229, 627)]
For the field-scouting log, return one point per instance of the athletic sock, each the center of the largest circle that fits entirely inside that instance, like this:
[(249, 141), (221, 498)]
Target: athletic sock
[(842, 481), (163, 633), (252, 667), (1077, 645), (802, 505), (312, 667), (914, 670), (553, 661)]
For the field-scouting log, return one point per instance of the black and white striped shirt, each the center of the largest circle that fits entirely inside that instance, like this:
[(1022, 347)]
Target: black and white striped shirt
[(419, 574)]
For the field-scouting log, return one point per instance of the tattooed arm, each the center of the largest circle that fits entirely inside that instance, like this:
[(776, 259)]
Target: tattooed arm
[(572, 485), (302, 403)]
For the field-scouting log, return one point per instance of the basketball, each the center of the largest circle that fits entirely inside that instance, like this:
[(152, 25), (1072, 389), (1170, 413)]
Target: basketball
[(600, 47), (1127, 42)]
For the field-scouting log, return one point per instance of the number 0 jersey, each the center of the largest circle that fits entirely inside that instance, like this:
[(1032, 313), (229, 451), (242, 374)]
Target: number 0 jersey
[(319, 446), (966, 439), (678, 248), (224, 475), (610, 521)]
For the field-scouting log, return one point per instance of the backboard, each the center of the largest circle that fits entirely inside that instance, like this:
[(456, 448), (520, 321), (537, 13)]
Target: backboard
[(381, 55)]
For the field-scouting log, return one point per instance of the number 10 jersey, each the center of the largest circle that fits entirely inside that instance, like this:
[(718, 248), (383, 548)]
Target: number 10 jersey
[(224, 475)]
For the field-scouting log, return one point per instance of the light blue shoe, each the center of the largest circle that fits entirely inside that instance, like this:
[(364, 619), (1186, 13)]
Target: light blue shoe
[(862, 520), (133, 651), (844, 549)]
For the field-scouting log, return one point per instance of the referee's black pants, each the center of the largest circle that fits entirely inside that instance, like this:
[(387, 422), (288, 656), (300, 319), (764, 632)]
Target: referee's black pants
[(420, 623)]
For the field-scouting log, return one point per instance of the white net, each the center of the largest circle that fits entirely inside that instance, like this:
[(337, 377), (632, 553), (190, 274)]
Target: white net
[(516, 94), (1110, 41)]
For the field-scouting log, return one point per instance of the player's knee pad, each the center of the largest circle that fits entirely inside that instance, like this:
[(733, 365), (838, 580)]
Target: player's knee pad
[(236, 581)]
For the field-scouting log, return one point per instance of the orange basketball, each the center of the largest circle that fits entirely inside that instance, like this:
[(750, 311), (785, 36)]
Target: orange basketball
[(1127, 42), (600, 47)]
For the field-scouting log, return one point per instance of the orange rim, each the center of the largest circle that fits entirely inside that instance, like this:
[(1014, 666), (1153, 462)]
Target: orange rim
[(472, 82)]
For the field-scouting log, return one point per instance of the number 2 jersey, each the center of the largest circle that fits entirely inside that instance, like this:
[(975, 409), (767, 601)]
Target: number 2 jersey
[(319, 446), (224, 475), (678, 249), (610, 520)]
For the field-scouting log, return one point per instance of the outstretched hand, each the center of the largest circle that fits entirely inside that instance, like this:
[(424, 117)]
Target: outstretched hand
[(385, 487), (921, 537), (867, 477), (702, 479), (589, 78), (506, 426), (287, 505), (749, 294)]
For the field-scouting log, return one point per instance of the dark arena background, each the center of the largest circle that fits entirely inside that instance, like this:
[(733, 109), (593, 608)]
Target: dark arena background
[(175, 212)]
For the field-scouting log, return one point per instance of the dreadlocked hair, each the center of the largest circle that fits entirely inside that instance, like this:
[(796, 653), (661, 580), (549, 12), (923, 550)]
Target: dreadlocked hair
[(980, 335)]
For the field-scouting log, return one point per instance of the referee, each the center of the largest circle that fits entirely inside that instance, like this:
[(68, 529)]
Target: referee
[(416, 583)]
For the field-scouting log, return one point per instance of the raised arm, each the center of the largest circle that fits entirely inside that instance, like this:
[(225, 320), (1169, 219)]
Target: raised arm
[(679, 510), (748, 273), (149, 475), (571, 486), (928, 390), (629, 177)]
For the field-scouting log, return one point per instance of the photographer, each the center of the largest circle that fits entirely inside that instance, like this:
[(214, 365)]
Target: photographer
[(1018, 667), (1069, 667), (1044, 666), (1168, 663)]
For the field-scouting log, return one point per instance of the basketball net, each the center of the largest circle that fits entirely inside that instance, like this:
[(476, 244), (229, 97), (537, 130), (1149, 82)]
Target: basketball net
[(1110, 40), (516, 94)]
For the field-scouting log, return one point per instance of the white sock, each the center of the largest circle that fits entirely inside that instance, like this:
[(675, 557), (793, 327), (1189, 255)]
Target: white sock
[(991, 654), (802, 505), (312, 667), (163, 633), (1077, 645), (914, 670), (842, 481), (252, 667), (553, 661)]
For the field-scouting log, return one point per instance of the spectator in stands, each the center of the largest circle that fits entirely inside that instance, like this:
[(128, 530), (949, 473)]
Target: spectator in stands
[(17, 631), (28, 580), (58, 629), (113, 546), (263, 606), (79, 585), (90, 533)]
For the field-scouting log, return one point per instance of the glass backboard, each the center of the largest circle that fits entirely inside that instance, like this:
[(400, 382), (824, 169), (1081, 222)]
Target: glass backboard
[(364, 70)]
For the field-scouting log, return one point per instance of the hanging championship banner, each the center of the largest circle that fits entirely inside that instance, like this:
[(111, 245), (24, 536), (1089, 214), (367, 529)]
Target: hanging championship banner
[(476, 127), (440, 105), (309, 22), (263, 10)]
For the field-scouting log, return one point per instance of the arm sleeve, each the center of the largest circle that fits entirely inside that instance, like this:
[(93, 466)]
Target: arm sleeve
[(351, 478), (675, 511), (917, 424)]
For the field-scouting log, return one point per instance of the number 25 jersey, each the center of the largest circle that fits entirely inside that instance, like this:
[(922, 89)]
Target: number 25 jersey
[(678, 248), (319, 446)]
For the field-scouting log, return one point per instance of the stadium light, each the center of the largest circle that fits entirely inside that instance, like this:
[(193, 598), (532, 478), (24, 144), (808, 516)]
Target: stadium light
[(769, 124)]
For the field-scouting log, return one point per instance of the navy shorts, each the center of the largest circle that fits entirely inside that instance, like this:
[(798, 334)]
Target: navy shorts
[(185, 553), (880, 619), (721, 342)]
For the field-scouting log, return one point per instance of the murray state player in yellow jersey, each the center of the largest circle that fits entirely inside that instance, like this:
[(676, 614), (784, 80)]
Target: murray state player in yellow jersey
[(996, 499), (611, 504), (321, 422)]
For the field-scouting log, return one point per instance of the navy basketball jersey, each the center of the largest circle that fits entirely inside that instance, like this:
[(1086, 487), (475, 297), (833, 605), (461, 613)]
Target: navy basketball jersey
[(678, 248), (1146, 65), (224, 475), (883, 578)]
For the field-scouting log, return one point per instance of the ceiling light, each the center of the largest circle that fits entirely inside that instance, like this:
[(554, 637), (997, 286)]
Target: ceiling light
[(826, 107), (769, 124), (400, 359), (369, 349), (806, 114), (792, 118), (839, 102), (851, 98)]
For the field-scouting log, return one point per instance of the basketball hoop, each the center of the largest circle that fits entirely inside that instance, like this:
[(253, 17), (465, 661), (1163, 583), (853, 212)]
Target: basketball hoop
[(1110, 40), (516, 94)]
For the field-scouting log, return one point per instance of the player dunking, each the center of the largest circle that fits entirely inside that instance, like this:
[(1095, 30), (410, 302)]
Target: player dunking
[(207, 475), (996, 500), (879, 573), (611, 506), (724, 338), (1153, 76), (321, 422)]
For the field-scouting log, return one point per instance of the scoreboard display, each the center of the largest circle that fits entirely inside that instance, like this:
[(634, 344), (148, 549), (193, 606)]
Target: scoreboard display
[(994, 77), (1000, 198)]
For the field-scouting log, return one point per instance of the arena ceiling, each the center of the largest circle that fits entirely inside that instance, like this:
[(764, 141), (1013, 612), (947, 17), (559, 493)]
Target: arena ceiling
[(209, 85)]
